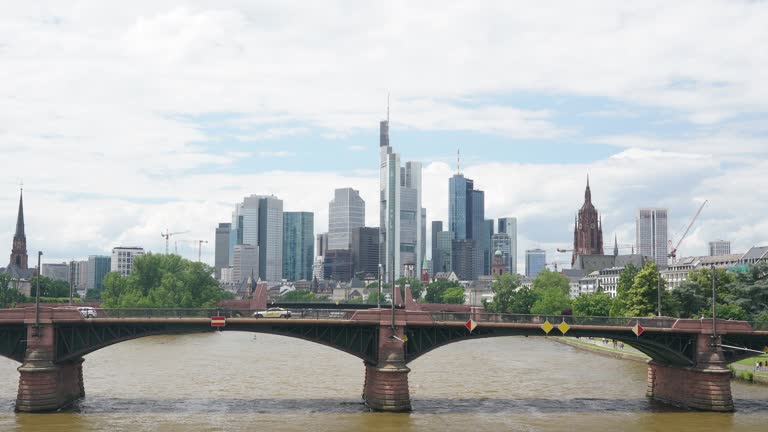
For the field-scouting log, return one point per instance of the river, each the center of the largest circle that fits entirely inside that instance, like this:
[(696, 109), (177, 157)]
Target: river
[(234, 381)]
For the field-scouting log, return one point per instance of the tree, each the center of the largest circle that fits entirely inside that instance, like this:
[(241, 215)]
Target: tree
[(552, 291), (453, 295), (642, 297), (9, 296), (299, 296), (50, 287), (167, 281), (416, 287), (373, 297), (597, 304), (504, 289), (749, 290), (726, 311), (437, 289), (690, 299), (703, 278), (627, 277)]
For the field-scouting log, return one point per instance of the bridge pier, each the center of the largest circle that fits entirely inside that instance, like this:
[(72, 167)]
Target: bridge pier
[(705, 386), (386, 382), (45, 385)]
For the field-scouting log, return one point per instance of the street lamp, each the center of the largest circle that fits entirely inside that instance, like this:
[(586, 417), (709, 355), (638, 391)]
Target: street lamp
[(714, 304), (378, 299), (37, 292)]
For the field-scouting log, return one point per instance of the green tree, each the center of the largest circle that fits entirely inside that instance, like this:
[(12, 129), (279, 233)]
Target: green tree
[(453, 295), (690, 299), (299, 296), (597, 304), (723, 281), (373, 297), (166, 281), (642, 298), (504, 291), (437, 289), (50, 287), (749, 290), (9, 296), (552, 291), (627, 277), (416, 287), (726, 311)]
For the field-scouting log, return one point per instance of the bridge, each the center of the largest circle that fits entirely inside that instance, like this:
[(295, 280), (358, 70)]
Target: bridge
[(688, 365)]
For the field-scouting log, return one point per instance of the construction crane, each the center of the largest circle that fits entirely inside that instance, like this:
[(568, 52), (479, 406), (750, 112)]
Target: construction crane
[(168, 235), (556, 263), (673, 250), (199, 244)]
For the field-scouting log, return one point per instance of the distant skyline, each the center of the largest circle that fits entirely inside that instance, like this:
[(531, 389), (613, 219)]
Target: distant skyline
[(122, 123)]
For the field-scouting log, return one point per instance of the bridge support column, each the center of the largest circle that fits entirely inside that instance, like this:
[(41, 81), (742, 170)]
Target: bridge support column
[(386, 382), (43, 384), (705, 387)]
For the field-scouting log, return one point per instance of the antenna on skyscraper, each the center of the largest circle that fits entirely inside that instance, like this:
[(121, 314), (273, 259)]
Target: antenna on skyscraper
[(458, 161), (387, 107)]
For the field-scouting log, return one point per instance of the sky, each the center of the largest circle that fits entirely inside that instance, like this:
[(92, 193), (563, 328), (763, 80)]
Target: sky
[(125, 120)]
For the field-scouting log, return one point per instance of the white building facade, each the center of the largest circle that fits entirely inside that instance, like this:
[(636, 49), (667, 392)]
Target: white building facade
[(122, 259)]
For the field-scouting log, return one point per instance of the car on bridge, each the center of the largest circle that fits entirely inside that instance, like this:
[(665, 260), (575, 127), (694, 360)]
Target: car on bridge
[(87, 312), (276, 312)]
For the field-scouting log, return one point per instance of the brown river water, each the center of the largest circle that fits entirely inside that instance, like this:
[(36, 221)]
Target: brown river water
[(234, 381)]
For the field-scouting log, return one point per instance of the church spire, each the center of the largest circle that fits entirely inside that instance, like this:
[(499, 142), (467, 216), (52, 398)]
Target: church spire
[(19, 248), (615, 245), (20, 217), (588, 193)]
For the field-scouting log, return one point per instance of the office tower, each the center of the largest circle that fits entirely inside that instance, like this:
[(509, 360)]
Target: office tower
[(345, 212), (337, 265), (460, 206), (443, 261), (98, 267), (535, 261), (298, 245), (365, 252), (58, 271), (437, 226), (463, 259), (222, 248), (652, 234), (719, 247), (78, 274), (122, 259), (483, 242), (245, 262), (270, 238), (587, 230), (321, 244), (400, 221), (508, 226), (423, 241)]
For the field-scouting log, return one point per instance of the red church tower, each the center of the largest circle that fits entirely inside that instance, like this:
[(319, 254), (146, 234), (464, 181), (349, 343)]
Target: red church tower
[(588, 232)]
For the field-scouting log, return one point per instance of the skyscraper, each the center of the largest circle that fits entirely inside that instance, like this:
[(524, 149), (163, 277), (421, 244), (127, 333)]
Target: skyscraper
[(444, 260), (345, 212), (508, 226), (270, 238), (502, 242), (245, 262), (365, 252), (321, 244), (588, 229), (535, 261), (98, 267), (221, 257), (400, 221), (437, 226), (463, 259), (460, 206), (652, 234), (719, 247), (298, 245)]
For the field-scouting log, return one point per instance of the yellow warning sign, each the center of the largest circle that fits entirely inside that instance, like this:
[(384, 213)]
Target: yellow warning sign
[(547, 327), (405, 338), (563, 327)]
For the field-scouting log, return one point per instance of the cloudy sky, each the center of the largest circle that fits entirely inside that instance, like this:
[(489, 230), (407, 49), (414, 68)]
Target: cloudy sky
[(124, 120)]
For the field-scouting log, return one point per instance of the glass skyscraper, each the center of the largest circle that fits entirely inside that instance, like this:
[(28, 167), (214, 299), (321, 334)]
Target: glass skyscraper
[(652, 234), (345, 212), (298, 245), (535, 261)]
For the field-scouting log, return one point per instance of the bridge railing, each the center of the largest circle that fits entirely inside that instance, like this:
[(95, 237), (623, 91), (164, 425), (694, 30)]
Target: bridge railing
[(662, 322), (207, 313)]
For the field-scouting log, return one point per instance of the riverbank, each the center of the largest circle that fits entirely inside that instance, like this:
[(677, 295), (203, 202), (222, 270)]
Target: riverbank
[(739, 372)]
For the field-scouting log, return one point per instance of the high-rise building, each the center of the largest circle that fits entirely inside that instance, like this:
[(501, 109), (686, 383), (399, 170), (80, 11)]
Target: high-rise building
[(270, 238), (484, 244), (443, 261), (535, 261), (122, 259), (437, 226), (588, 229), (463, 259), (400, 221), (460, 206), (652, 234), (298, 245), (245, 262), (508, 226), (98, 267), (716, 248), (78, 274), (345, 212), (321, 244), (423, 241), (337, 265), (58, 271), (221, 257), (365, 252)]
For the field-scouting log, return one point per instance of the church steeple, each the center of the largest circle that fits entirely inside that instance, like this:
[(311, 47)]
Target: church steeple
[(19, 248), (588, 230), (588, 193), (615, 245)]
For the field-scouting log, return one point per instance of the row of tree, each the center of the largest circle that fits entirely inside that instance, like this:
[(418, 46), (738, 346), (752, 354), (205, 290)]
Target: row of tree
[(738, 295)]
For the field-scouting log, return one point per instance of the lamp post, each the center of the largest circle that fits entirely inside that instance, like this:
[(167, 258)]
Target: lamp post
[(393, 292), (714, 304), (378, 299), (37, 292), (658, 294)]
